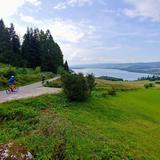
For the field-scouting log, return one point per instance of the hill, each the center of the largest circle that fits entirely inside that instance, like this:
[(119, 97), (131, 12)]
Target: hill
[(124, 126)]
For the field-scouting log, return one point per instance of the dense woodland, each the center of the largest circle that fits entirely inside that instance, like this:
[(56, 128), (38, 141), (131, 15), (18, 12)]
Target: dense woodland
[(37, 48)]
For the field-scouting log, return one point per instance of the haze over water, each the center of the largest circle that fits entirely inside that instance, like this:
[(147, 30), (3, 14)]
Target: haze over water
[(125, 75)]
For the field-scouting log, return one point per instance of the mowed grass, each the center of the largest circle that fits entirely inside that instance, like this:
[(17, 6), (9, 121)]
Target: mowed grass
[(125, 126)]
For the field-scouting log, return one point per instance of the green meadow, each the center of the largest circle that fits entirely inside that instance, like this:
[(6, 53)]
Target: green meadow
[(125, 126)]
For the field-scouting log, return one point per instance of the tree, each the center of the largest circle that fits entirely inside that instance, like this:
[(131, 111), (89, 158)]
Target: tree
[(66, 67), (16, 58), (51, 54), (38, 49), (31, 48), (5, 46)]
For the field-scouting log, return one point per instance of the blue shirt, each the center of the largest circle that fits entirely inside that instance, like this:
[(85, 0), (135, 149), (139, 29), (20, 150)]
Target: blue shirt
[(11, 80)]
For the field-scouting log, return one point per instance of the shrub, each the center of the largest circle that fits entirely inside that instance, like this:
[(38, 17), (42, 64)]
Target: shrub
[(38, 69), (149, 85), (61, 70), (91, 81), (158, 82), (77, 87), (10, 72), (3, 81), (112, 92), (55, 83)]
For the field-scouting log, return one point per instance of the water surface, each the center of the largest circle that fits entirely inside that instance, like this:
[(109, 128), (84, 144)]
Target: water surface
[(112, 73)]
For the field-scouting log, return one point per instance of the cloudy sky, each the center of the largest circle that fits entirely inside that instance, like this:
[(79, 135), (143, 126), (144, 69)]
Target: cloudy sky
[(93, 31)]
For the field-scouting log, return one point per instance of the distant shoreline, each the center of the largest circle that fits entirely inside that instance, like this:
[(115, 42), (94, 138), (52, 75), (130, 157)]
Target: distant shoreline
[(148, 68)]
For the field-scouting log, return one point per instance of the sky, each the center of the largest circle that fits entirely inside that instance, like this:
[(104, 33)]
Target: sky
[(92, 31)]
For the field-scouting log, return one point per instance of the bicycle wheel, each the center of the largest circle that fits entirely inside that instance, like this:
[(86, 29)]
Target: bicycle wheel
[(16, 90), (8, 91)]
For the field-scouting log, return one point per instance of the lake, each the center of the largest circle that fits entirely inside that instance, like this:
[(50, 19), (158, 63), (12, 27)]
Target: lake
[(112, 73)]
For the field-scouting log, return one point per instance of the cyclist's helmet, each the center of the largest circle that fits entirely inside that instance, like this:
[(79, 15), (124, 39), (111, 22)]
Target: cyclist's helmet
[(12, 76)]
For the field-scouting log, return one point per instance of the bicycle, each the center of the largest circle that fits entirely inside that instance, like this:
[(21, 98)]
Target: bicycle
[(10, 90)]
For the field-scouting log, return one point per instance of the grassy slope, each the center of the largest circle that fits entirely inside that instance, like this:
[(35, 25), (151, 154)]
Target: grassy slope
[(126, 126)]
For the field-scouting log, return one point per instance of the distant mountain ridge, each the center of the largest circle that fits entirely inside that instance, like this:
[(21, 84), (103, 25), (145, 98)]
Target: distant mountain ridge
[(145, 67)]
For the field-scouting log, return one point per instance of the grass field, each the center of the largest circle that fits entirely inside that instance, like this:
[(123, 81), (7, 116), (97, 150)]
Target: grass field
[(125, 126)]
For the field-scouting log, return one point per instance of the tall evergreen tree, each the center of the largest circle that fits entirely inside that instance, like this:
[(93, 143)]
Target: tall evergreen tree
[(31, 48), (5, 46), (47, 52), (66, 67), (15, 44), (38, 49), (14, 39), (52, 56)]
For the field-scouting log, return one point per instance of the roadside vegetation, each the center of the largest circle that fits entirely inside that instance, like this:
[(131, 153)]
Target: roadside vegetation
[(77, 87), (54, 83), (110, 78), (23, 76), (117, 126)]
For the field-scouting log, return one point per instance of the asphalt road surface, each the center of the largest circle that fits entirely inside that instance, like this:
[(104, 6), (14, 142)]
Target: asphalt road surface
[(32, 90)]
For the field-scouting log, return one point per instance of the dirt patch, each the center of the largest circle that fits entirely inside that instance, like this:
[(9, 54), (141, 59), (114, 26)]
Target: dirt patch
[(13, 151), (45, 110)]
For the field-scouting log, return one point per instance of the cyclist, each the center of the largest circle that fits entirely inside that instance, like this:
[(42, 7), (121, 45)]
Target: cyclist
[(12, 83), (43, 79)]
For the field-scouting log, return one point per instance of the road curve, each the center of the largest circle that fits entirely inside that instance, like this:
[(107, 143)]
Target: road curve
[(32, 90)]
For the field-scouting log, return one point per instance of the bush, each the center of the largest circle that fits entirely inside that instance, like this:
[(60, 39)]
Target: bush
[(112, 92), (91, 81), (3, 81), (55, 83), (77, 87), (149, 85), (10, 72), (38, 69), (61, 70)]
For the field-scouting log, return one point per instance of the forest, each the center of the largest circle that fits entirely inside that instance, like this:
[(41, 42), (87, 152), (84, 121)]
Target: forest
[(36, 49)]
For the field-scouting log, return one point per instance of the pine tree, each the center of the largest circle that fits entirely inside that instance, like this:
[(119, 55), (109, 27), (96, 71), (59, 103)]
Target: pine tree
[(52, 56), (5, 46), (31, 48), (38, 49), (26, 47), (66, 67), (16, 57), (47, 52)]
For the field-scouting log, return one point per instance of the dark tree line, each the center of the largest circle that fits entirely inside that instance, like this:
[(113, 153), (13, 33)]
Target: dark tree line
[(38, 48), (150, 78)]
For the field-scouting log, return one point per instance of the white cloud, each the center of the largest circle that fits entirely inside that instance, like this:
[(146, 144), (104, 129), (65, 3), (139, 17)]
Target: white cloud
[(66, 31), (84, 55), (30, 19), (11, 7), (103, 2), (72, 3), (78, 3), (143, 8), (60, 6), (34, 2), (69, 31)]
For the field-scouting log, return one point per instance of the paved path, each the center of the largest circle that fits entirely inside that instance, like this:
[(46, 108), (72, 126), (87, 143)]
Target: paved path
[(33, 90)]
